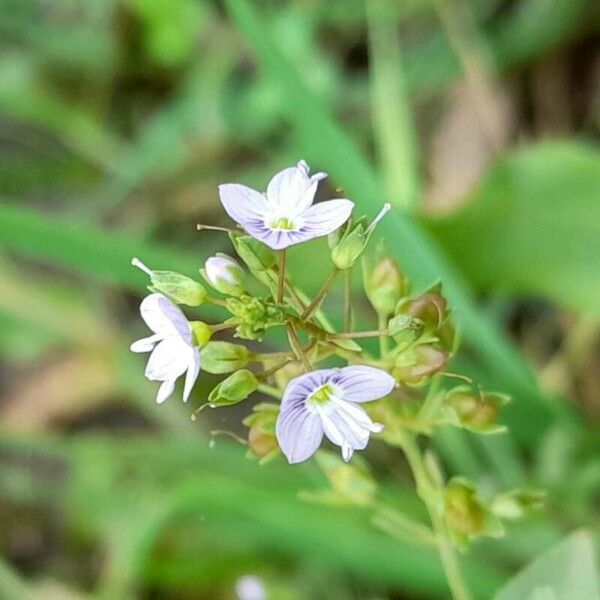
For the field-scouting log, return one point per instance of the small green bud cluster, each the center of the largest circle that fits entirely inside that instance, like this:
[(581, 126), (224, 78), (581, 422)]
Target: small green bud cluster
[(254, 316)]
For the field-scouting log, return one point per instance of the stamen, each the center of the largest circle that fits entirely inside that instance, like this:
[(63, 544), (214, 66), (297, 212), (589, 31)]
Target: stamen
[(385, 209), (136, 262)]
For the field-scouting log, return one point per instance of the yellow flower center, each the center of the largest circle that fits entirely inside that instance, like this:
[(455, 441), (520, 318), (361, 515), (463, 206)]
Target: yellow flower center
[(283, 223)]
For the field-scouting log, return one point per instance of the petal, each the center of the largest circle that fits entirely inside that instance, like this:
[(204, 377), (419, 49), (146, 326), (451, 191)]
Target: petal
[(168, 360), (165, 318), (192, 372), (360, 383), (292, 189), (243, 204), (165, 390), (299, 432), (325, 217), (301, 387), (145, 344), (276, 239), (340, 427)]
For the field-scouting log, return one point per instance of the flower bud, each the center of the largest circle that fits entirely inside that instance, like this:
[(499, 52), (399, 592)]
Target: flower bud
[(259, 258), (415, 365), (254, 316), (430, 308), (516, 503), (464, 513), (202, 333), (224, 357), (346, 246), (181, 289), (404, 329), (477, 412), (224, 274), (384, 285), (237, 387), (262, 441)]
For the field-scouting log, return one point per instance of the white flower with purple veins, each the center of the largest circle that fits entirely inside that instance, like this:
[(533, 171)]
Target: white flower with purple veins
[(172, 346), (285, 215), (326, 402)]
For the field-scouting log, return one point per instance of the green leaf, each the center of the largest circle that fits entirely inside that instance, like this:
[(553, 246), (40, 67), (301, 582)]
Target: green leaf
[(533, 226), (567, 570)]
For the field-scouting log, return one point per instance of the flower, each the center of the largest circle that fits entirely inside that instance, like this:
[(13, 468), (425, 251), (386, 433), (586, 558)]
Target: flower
[(285, 215), (172, 345), (325, 402), (250, 587), (224, 274)]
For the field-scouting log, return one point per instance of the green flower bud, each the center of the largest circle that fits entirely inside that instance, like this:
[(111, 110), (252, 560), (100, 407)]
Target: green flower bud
[(404, 329), (224, 274), (465, 515), (262, 441), (516, 503), (202, 333), (384, 285), (260, 259), (237, 387), (353, 241), (223, 357), (477, 412), (254, 316), (415, 365), (181, 289)]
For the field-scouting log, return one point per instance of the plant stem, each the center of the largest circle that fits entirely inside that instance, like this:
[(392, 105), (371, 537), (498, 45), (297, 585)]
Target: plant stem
[(269, 390), (316, 301), (281, 280), (349, 335), (384, 345), (428, 492), (347, 300), (297, 347)]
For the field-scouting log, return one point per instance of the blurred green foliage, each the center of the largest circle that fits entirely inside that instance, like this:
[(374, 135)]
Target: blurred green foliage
[(117, 121)]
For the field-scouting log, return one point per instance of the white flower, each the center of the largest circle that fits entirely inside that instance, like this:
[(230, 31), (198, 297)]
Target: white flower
[(225, 274), (285, 215), (172, 346), (324, 402), (250, 587)]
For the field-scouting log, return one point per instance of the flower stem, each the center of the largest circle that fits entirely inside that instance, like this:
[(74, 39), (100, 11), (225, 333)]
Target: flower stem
[(347, 300), (384, 345), (316, 301), (349, 335), (269, 390), (297, 347), (281, 279), (428, 493)]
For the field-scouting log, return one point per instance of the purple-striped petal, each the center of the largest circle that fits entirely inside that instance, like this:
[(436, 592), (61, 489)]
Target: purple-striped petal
[(360, 383), (325, 217), (164, 318), (299, 432), (243, 204), (293, 189)]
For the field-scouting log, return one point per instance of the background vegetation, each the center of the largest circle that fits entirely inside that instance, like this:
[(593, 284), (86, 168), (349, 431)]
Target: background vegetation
[(118, 118)]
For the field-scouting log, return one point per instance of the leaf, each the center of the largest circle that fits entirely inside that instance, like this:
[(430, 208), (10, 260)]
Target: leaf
[(533, 226), (567, 570)]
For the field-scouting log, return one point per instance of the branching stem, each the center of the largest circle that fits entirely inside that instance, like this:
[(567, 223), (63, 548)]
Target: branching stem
[(316, 301)]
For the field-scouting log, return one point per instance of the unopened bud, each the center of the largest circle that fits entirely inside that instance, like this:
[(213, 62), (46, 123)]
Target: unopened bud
[(262, 441), (477, 411), (224, 274), (202, 333), (224, 357), (384, 285), (347, 246), (404, 329), (464, 512), (516, 503), (181, 289), (237, 387), (414, 366), (259, 258)]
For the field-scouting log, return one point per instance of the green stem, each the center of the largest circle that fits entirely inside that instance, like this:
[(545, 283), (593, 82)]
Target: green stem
[(281, 278), (316, 301), (349, 335), (347, 300), (269, 390), (384, 340), (297, 347), (428, 493)]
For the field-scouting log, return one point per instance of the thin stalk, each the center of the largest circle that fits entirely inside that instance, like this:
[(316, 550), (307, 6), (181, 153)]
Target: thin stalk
[(384, 340), (203, 227), (297, 347), (427, 492), (347, 300), (350, 335), (222, 326), (216, 302), (316, 301), (281, 278), (269, 390)]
